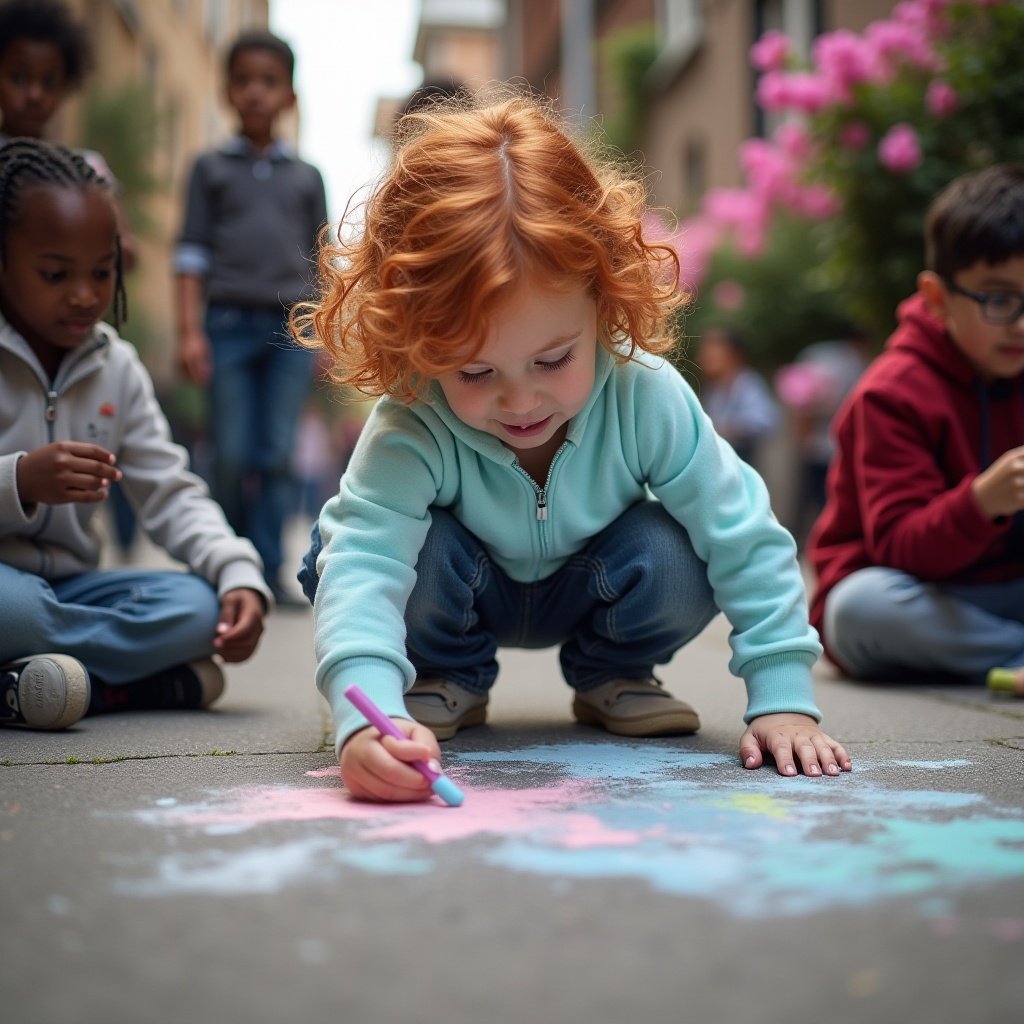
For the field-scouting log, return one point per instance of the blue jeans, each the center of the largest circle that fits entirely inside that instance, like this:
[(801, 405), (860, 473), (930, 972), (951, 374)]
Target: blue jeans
[(261, 380), (625, 603), (882, 622), (122, 625)]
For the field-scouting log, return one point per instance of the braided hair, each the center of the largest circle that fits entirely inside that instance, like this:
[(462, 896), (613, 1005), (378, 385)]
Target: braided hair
[(26, 163)]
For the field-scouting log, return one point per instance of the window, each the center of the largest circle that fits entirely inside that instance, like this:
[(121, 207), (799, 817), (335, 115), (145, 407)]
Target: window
[(695, 172), (681, 28), (803, 21)]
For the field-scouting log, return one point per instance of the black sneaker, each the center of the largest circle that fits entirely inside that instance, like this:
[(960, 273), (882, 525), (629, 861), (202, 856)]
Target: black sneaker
[(47, 691), (180, 688)]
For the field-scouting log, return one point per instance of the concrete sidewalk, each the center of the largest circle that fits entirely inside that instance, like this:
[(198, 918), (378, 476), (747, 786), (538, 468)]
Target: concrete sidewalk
[(207, 867)]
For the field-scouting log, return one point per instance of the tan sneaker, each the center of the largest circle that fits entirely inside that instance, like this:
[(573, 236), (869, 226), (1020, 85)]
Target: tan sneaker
[(48, 691), (635, 707), (445, 708)]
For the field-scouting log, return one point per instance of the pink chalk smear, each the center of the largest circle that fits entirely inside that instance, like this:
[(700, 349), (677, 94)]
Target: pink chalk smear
[(552, 812)]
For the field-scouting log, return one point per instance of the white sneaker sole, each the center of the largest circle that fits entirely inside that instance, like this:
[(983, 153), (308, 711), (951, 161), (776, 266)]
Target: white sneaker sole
[(53, 691)]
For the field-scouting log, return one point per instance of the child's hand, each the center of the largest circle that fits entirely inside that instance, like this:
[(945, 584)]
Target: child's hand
[(786, 735), (1000, 489), (64, 472), (195, 358), (373, 767), (241, 624)]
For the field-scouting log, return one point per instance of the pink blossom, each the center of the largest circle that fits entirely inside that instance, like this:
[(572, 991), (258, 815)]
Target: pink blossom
[(854, 135), (805, 387), (769, 170), (844, 59), (694, 242), (816, 202), (794, 140), (927, 17), (899, 150), (770, 52), (895, 43), (773, 91), (744, 211), (729, 295), (801, 91), (941, 98)]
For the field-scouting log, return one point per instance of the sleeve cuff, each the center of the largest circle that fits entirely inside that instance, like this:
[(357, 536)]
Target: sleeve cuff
[(780, 683), (380, 679), (11, 509), (191, 259), (245, 575)]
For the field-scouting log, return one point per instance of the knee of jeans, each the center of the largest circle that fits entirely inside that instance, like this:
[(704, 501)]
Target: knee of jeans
[(23, 613), (203, 601), (860, 604), (663, 550)]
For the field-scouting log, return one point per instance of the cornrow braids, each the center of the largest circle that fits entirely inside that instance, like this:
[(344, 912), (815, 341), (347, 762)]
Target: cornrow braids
[(25, 163)]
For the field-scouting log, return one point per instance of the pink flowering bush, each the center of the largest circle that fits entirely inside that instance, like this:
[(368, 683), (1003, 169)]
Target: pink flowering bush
[(868, 132), (899, 150)]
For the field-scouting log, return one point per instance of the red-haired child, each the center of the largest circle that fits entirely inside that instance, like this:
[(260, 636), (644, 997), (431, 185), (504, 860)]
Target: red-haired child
[(535, 474)]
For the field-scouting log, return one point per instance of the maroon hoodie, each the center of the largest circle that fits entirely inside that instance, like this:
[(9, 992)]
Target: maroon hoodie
[(912, 436)]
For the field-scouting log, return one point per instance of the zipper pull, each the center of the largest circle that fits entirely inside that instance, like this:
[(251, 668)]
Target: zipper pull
[(51, 406), (542, 505)]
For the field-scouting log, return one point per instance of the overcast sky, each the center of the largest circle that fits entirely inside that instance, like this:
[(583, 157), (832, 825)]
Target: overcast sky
[(348, 54)]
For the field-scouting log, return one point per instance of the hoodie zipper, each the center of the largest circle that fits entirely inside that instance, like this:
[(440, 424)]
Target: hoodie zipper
[(541, 496)]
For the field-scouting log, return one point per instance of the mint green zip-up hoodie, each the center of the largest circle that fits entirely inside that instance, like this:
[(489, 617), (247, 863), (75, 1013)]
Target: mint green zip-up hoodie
[(642, 433)]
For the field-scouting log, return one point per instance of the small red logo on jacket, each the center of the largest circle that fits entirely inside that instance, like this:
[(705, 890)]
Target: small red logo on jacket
[(107, 409)]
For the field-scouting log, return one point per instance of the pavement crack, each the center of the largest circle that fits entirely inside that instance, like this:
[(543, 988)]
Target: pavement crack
[(72, 761)]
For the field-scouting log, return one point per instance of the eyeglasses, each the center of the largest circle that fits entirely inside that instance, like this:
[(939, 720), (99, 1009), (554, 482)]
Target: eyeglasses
[(1002, 308)]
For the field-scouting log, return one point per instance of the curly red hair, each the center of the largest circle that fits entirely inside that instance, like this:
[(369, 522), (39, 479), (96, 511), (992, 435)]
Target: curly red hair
[(480, 199)]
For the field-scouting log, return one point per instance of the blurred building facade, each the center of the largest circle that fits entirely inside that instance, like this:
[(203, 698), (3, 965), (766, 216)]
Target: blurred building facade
[(173, 51), (457, 41), (694, 103)]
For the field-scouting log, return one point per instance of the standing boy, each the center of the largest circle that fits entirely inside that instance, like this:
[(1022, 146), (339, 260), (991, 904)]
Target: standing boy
[(253, 214), (919, 552)]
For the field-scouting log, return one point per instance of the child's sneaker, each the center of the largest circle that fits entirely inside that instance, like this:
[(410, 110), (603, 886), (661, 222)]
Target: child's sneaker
[(47, 691), (445, 708), (635, 707), (179, 688)]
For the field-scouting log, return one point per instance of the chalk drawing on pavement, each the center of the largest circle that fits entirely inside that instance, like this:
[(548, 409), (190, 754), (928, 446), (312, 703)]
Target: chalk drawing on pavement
[(687, 824)]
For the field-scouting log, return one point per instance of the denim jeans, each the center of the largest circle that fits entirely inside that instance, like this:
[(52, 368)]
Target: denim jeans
[(260, 382), (623, 604), (122, 625), (882, 623)]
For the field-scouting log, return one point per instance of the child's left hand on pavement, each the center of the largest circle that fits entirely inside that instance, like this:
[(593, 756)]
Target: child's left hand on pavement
[(795, 741), (241, 624)]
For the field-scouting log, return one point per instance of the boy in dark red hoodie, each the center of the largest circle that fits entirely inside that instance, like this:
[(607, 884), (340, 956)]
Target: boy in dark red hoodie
[(919, 552)]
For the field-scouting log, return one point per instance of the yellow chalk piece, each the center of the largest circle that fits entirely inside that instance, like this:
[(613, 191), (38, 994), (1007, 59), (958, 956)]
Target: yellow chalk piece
[(1003, 680)]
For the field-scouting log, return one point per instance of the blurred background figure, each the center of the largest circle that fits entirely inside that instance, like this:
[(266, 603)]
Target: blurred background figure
[(253, 211), (812, 388), (735, 396)]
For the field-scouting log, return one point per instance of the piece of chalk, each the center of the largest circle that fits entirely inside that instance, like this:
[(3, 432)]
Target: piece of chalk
[(447, 791), (1003, 680)]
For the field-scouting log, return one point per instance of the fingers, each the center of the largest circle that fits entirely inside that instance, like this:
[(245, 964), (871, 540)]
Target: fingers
[(795, 746), (841, 758), (782, 751), (750, 751), (376, 768), (240, 626)]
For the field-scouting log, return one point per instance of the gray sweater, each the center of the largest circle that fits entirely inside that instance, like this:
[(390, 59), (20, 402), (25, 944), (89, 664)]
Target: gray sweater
[(103, 394), (251, 225)]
